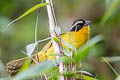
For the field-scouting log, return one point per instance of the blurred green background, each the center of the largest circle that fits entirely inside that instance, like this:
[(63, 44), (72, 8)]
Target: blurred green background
[(105, 21)]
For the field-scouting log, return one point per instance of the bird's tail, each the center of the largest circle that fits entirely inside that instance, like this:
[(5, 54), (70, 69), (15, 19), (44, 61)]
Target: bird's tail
[(13, 67)]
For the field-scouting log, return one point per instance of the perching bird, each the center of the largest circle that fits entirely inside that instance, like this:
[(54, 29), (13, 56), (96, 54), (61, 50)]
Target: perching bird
[(77, 36)]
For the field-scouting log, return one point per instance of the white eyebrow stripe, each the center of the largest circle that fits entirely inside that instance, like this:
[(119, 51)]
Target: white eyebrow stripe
[(76, 23)]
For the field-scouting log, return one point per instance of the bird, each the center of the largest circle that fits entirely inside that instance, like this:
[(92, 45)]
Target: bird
[(76, 36)]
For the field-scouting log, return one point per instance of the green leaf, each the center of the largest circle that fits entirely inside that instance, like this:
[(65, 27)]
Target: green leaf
[(26, 65), (111, 59), (118, 78), (84, 77), (35, 70), (67, 52), (29, 11), (69, 74), (53, 77), (78, 76), (65, 59), (110, 66), (67, 44), (30, 48), (110, 11), (83, 51), (88, 78), (55, 69), (56, 39), (85, 72)]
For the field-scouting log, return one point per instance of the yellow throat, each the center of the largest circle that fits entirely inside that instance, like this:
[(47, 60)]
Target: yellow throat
[(76, 37)]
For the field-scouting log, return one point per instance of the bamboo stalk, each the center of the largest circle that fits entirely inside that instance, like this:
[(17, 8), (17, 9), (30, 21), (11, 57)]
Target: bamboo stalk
[(52, 25)]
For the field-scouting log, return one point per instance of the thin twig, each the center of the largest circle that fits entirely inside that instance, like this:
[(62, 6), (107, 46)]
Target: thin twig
[(30, 57), (110, 66), (36, 31), (44, 39)]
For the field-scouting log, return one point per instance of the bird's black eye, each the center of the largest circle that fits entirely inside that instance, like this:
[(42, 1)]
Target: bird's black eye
[(78, 24)]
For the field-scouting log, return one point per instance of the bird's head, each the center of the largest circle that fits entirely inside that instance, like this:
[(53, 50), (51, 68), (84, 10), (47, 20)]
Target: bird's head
[(79, 24)]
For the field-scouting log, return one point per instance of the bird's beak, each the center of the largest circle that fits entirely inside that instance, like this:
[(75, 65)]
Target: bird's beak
[(87, 23)]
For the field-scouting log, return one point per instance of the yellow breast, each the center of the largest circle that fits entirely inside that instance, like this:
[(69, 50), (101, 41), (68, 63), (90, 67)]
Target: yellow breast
[(77, 39)]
